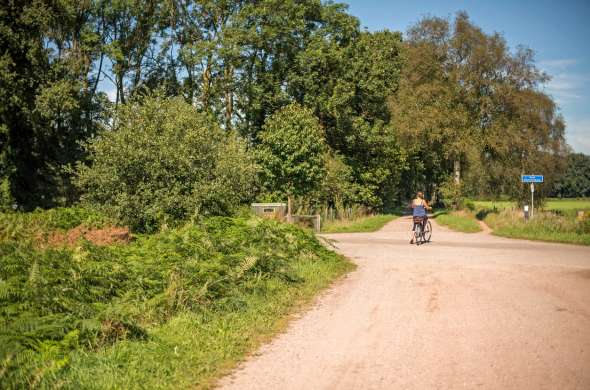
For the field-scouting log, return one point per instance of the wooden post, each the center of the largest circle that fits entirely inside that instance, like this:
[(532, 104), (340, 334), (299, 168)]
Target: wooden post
[(289, 215), (318, 223)]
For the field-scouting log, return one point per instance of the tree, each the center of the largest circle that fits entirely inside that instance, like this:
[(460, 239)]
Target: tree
[(179, 164), (48, 100), (291, 152), (575, 182), (470, 107)]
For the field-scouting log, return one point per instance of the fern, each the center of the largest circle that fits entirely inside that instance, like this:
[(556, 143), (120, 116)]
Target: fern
[(56, 301)]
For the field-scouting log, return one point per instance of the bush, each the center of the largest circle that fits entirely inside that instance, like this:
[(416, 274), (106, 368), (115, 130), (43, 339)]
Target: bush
[(469, 205), (165, 162), (452, 194), (6, 199)]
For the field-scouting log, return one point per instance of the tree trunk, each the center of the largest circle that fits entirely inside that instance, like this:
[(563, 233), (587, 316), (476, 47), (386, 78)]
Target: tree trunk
[(229, 97), (206, 84), (457, 169)]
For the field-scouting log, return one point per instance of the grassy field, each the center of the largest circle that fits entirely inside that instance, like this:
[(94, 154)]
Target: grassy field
[(461, 221), (545, 226), (359, 225), (556, 222), (568, 204), (171, 310), (491, 204), (550, 204)]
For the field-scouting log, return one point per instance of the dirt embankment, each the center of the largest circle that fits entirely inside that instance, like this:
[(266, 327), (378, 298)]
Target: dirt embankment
[(108, 235)]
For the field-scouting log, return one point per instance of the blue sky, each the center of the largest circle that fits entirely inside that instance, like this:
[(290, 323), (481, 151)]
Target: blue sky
[(558, 31)]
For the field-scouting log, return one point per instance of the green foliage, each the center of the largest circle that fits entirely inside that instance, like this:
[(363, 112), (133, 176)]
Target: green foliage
[(291, 152), (339, 188), (452, 193), (575, 182), (60, 301), (165, 162), (6, 199), (48, 99), (470, 105)]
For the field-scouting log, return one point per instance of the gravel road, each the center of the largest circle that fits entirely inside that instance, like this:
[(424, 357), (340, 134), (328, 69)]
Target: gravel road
[(469, 311)]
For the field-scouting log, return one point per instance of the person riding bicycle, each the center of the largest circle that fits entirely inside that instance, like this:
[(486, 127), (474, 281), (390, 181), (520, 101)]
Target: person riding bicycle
[(419, 207)]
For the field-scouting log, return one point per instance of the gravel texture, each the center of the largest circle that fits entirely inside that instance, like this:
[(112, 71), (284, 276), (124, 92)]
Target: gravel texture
[(469, 311)]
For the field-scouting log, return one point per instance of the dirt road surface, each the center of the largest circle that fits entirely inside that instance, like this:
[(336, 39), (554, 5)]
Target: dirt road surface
[(467, 311)]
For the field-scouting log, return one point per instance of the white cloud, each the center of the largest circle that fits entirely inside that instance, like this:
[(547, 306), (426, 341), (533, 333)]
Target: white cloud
[(578, 134), (566, 85), (557, 64), (569, 88)]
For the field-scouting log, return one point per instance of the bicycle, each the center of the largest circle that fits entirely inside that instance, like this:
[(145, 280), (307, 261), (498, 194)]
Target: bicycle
[(423, 230)]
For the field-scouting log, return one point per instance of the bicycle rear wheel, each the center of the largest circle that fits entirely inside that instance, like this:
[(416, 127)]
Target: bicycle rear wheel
[(427, 231), (419, 234)]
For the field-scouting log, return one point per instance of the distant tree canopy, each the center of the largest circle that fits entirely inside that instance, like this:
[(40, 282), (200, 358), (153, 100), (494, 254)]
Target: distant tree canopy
[(395, 115), (575, 183)]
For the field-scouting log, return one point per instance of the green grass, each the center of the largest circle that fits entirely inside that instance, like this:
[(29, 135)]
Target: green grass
[(545, 226), (567, 204), (193, 349), (550, 204), (491, 204), (359, 225), (171, 310), (459, 220)]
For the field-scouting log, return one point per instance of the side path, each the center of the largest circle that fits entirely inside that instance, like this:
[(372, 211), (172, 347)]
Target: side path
[(465, 311)]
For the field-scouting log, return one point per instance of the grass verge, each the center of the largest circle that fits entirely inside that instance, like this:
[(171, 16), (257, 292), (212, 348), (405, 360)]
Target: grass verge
[(171, 310), (461, 221), (545, 226), (551, 204), (195, 349), (359, 225)]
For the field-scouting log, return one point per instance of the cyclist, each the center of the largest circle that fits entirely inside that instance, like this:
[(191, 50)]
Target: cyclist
[(419, 207)]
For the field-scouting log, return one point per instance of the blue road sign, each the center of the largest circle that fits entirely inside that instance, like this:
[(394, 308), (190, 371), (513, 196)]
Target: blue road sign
[(532, 178)]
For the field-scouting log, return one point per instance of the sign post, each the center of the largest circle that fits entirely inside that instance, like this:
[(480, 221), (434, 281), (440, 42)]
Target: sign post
[(532, 200), (532, 179)]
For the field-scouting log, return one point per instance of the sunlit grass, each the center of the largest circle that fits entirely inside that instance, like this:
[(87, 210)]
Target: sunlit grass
[(193, 350), (550, 204), (545, 226), (175, 309), (461, 221), (359, 225)]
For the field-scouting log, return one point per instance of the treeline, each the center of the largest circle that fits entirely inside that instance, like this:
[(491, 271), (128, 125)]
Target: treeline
[(449, 108)]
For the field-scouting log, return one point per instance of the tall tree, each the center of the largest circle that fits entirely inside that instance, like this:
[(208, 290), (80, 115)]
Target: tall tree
[(471, 108), (47, 99)]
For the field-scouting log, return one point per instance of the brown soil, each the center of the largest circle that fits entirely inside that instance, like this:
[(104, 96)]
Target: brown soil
[(106, 236)]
